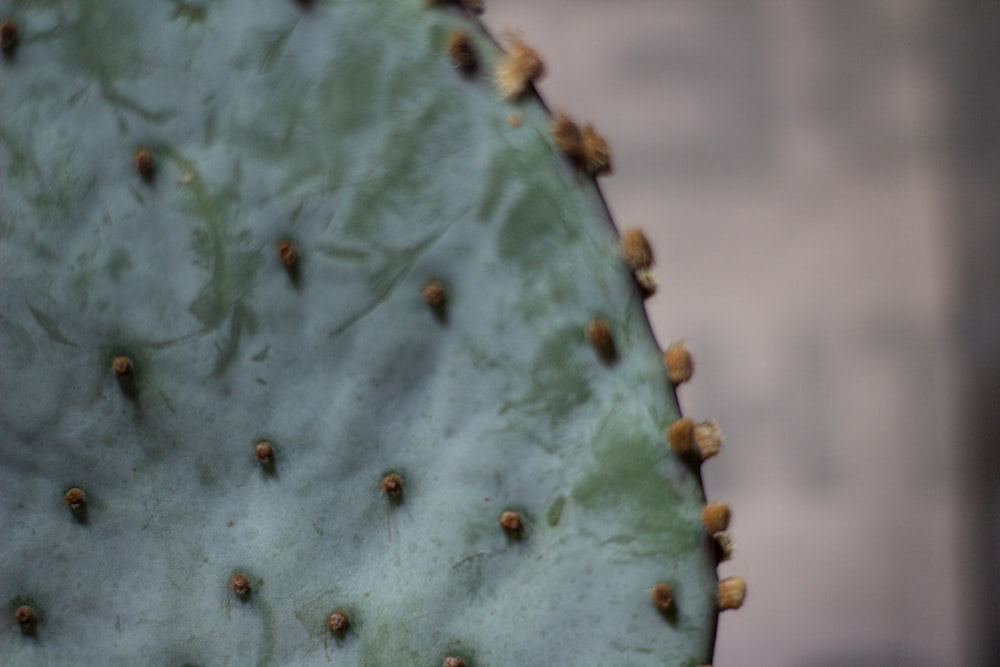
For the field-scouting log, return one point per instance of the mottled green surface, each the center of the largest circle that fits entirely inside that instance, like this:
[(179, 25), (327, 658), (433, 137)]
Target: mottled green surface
[(345, 127)]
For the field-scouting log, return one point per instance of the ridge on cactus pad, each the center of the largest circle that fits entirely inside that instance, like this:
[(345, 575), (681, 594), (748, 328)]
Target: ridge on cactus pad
[(298, 365)]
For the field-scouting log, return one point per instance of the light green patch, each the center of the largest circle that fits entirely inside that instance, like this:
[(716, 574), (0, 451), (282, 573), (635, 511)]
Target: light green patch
[(118, 263), (527, 238), (625, 481), (241, 320), (554, 513), (560, 379), (232, 270)]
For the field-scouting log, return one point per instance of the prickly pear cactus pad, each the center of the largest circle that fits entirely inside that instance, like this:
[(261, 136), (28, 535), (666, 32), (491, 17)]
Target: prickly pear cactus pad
[(319, 347)]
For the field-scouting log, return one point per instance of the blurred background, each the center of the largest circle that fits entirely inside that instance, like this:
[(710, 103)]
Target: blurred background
[(820, 181)]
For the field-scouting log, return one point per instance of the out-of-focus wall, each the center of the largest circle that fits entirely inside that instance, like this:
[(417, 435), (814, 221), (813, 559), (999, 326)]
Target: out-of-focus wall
[(795, 166), (970, 71)]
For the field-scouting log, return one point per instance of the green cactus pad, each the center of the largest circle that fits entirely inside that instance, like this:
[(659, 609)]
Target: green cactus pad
[(344, 129)]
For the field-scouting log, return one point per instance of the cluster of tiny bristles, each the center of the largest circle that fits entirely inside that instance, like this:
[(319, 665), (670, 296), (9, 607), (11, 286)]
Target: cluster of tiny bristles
[(518, 69), (581, 144)]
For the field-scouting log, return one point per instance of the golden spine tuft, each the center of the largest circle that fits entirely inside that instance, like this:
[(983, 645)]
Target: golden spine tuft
[(519, 68)]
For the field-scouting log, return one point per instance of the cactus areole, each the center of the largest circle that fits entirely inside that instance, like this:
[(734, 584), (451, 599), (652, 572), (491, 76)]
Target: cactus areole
[(219, 219)]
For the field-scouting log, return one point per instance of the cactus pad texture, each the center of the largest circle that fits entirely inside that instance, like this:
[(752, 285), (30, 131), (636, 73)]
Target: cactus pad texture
[(317, 350)]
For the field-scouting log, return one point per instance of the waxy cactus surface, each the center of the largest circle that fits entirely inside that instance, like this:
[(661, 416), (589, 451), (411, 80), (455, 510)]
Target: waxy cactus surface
[(298, 364)]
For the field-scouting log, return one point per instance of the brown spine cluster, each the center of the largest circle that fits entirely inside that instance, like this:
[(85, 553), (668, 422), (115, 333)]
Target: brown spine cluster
[(679, 363), (567, 135), (663, 597), (636, 249), (264, 452), (596, 152), (75, 498), (680, 435), (9, 38), (392, 485), (732, 592), (434, 294), (599, 335), (240, 585), (144, 163), (461, 51), (26, 618), (512, 523), (715, 517), (725, 546), (638, 256), (288, 254), (338, 622), (582, 145), (520, 67), (121, 366), (709, 437)]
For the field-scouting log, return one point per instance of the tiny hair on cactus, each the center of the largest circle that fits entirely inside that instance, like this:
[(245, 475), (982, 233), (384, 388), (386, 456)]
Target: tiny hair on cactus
[(519, 68), (732, 592), (680, 435), (679, 362)]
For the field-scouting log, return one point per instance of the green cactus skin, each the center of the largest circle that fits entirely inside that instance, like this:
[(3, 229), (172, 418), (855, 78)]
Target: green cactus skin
[(345, 128)]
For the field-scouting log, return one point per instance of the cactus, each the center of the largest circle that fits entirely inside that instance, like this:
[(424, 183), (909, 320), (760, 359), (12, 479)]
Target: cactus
[(319, 347)]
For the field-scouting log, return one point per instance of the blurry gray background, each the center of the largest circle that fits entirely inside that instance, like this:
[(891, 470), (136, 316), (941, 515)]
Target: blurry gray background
[(820, 182)]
